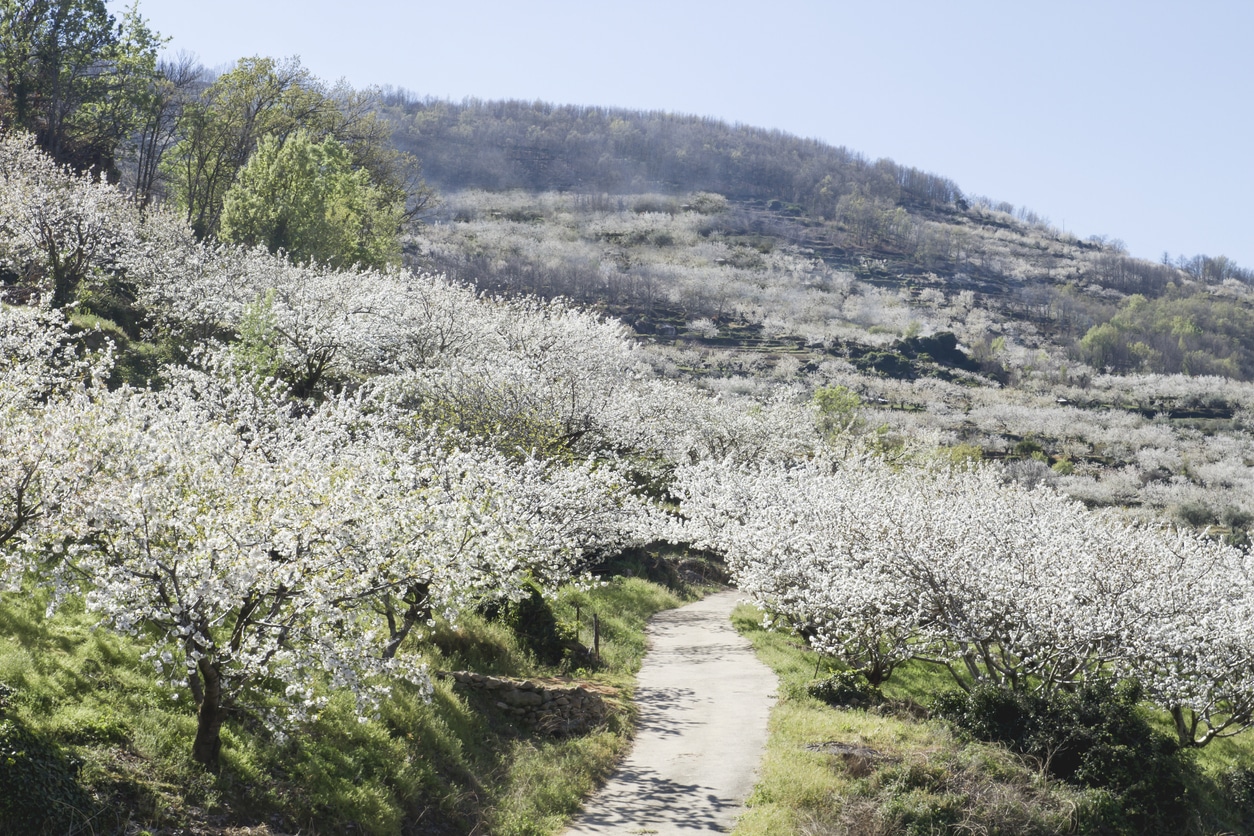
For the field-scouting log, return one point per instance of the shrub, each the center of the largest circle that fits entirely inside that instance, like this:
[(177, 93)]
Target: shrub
[(1027, 448), (1093, 737), (846, 688), (887, 363), (1237, 786), (1193, 513), (958, 792), (707, 203)]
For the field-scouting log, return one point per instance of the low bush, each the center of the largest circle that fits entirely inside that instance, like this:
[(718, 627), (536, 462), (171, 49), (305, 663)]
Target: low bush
[(1237, 787), (848, 689), (1093, 737)]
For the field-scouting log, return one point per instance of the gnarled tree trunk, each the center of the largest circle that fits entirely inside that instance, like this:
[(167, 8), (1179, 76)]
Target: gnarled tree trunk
[(208, 743)]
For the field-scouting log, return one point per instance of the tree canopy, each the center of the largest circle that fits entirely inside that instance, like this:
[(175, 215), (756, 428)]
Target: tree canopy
[(304, 197), (1196, 334), (220, 129), (74, 77)]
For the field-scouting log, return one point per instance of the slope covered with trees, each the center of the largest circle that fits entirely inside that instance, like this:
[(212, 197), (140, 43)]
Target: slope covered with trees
[(875, 222), (539, 147), (281, 474), (330, 462)]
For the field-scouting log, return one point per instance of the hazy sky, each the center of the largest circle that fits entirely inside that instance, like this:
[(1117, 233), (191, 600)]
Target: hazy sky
[(1130, 119)]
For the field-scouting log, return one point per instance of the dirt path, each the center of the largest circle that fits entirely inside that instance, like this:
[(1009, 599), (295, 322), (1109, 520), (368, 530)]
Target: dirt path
[(704, 699)]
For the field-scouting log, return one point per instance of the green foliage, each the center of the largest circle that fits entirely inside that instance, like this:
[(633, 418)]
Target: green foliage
[(261, 97), (74, 78), (96, 331), (1193, 513), (941, 348), (258, 97), (305, 197), (887, 363), (112, 298), (913, 355), (257, 345), (962, 454), (919, 802), (845, 688), (1094, 737), (513, 432), (128, 96), (1238, 791), (1198, 334), (1028, 448), (838, 409), (1238, 522), (137, 362), (141, 363), (39, 788)]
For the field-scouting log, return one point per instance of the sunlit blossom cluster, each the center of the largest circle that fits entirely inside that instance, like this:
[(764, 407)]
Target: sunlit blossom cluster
[(344, 456), (1023, 588)]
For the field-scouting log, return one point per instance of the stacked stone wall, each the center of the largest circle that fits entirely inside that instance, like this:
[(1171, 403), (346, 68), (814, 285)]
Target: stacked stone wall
[(550, 707)]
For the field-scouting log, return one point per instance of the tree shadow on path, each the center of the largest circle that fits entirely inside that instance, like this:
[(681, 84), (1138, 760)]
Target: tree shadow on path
[(665, 806)]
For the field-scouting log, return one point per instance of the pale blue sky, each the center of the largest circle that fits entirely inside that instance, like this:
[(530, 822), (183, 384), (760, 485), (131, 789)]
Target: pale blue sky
[(1128, 119)]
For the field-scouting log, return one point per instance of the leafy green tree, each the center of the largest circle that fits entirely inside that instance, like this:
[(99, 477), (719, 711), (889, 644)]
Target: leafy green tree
[(130, 86), (305, 197), (838, 408), (262, 97), (1198, 334), (259, 97), (73, 77)]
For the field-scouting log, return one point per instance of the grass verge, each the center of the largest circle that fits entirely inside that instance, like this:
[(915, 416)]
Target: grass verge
[(892, 770), (83, 718)]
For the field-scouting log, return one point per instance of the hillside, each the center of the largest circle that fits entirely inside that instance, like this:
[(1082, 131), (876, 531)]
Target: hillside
[(886, 234), (750, 260), (266, 493)]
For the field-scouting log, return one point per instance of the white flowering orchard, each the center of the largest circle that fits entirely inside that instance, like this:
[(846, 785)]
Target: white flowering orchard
[(347, 455), (996, 582)]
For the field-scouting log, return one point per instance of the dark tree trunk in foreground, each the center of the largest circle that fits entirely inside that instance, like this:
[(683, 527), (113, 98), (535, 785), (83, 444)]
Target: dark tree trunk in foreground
[(208, 743)]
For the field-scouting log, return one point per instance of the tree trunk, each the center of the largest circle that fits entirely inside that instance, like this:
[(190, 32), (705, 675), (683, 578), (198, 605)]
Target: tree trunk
[(63, 286), (208, 743), (419, 609)]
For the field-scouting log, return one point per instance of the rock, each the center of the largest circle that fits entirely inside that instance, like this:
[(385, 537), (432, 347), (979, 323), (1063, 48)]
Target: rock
[(549, 709), (517, 697)]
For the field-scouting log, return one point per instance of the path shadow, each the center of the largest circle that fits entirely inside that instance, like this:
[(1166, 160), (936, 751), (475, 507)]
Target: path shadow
[(663, 710), (643, 799)]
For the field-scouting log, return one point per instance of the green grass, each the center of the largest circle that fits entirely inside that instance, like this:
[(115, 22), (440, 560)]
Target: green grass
[(448, 765), (896, 775), (912, 775)]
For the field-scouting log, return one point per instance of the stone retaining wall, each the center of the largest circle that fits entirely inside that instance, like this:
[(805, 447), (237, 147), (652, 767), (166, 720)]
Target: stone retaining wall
[(552, 708)]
